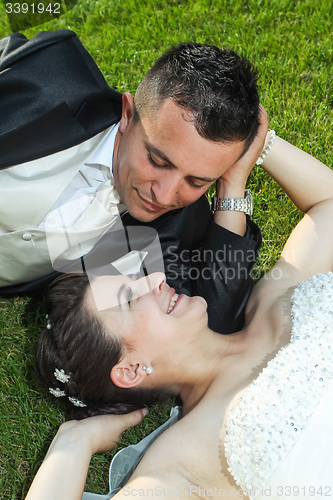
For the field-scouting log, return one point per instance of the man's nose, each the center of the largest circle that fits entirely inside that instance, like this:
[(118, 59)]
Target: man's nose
[(166, 189)]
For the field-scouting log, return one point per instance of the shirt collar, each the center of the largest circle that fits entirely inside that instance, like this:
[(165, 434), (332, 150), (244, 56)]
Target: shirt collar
[(104, 153)]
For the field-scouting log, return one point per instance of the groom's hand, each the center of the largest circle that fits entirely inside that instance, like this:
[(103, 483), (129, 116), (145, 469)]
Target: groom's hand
[(232, 183)]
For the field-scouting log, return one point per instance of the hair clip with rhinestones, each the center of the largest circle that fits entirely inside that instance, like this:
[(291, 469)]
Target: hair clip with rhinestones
[(57, 392), (61, 376), (77, 402)]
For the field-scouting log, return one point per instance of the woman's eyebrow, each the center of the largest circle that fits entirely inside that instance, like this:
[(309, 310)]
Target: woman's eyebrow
[(120, 291)]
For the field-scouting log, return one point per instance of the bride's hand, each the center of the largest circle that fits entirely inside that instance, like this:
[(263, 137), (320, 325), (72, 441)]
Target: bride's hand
[(100, 433), (70, 453), (237, 174)]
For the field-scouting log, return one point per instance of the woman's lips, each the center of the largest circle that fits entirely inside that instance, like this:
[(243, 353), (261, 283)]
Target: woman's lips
[(174, 305), (177, 302)]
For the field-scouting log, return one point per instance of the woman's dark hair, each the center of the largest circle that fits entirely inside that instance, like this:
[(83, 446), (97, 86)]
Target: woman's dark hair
[(77, 342)]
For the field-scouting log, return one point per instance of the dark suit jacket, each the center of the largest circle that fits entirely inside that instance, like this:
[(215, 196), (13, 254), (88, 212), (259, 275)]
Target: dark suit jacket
[(52, 97)]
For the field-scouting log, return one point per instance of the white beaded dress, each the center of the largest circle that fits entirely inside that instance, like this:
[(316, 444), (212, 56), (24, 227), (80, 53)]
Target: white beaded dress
[(279, 435)]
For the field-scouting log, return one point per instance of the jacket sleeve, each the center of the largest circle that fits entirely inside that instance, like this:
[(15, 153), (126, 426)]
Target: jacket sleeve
[(52, 96), (208, 260), (224, 275)]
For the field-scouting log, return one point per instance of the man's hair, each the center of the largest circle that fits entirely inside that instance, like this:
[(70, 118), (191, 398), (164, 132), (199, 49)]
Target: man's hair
[(217, 88), (78, 343)]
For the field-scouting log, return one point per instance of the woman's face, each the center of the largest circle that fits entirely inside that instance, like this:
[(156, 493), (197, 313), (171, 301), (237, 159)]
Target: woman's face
[(146, 312)]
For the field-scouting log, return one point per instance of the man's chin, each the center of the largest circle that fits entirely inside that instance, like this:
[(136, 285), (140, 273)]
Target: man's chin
[(145, 216)]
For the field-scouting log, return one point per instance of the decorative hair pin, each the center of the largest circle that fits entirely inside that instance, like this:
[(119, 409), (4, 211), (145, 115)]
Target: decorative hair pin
[(77, 402), (61, 376), (48, 324), (57, 392)]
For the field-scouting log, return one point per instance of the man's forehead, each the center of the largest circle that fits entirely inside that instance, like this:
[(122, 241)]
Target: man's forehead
[(177, 142)]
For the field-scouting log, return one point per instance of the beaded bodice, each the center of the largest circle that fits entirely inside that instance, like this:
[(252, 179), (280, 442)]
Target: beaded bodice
[(270, 415)]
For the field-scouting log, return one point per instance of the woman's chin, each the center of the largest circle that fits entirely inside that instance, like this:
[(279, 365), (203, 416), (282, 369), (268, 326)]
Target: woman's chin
[(202, 302), (200, 306)]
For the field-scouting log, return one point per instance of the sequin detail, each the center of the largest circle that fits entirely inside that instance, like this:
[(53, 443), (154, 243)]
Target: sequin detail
[(270, 415)]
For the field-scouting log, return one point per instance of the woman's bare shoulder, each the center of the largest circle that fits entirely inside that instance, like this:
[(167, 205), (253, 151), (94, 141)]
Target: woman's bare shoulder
[(276, 285), (188, 455)]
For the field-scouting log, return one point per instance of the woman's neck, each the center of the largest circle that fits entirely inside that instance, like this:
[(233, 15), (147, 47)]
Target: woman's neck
[(206, 365)]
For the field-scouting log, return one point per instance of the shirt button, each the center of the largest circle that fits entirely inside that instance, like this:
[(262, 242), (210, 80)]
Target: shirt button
[(27, 237)]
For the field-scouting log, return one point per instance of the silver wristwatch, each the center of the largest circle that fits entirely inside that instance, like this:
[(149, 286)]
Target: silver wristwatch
[(237, 204)]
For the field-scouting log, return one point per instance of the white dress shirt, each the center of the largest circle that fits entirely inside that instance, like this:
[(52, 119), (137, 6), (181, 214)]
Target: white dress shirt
[(37, 192), (81, 190)]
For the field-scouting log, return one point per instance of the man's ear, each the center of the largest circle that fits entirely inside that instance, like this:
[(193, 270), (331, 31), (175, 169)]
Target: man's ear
[(127, 111), (125, 375)]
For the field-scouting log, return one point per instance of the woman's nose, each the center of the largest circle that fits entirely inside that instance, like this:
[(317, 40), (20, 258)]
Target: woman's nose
[(152, 283)]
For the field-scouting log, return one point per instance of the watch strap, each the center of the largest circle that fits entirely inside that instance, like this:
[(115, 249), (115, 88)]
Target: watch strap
[(234, 204)]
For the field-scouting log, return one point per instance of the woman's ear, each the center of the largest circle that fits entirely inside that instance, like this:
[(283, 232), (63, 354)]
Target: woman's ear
[(126, 375), (127, 111)]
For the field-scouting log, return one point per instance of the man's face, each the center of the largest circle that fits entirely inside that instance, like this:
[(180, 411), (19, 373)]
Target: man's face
[(161, 163)]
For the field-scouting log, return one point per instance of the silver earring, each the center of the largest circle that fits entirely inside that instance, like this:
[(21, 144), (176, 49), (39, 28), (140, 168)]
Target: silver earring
[(148, 369)]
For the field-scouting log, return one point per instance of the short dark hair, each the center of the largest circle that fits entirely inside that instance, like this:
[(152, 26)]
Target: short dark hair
[(78, 343), (216, 86)]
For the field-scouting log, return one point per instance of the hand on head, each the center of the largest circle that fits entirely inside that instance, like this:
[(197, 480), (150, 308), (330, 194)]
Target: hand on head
[(70, 453), (238, 173), (103, 431)]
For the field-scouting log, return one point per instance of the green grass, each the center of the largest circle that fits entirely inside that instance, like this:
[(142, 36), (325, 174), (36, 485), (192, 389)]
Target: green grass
[(291, 44)]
